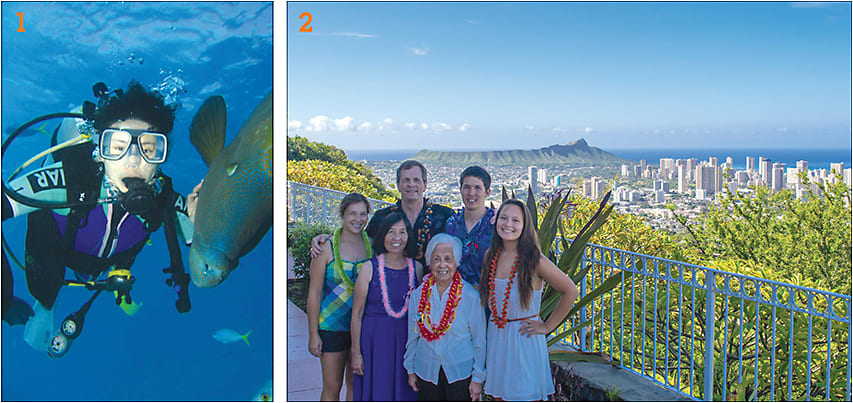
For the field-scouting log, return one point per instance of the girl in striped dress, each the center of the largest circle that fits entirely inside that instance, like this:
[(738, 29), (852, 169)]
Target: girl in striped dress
[(333, 275)]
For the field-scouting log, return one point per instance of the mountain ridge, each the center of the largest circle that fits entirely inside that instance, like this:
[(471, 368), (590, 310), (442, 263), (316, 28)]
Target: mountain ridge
[(578, 152)]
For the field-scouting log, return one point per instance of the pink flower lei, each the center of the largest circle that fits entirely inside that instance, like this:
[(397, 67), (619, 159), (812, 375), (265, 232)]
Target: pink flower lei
[(384, 287)]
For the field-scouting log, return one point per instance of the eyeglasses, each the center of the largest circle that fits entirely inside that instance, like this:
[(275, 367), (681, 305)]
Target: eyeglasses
[(114, 144)]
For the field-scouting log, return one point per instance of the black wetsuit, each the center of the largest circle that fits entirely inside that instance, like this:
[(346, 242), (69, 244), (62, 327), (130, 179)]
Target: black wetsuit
[(89, 239)]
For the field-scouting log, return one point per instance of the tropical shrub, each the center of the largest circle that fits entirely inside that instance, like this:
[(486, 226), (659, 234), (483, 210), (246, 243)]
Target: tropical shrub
[(299, 237)]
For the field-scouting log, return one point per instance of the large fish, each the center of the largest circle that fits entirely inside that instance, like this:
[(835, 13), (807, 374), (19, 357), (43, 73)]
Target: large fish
[(234, 208)]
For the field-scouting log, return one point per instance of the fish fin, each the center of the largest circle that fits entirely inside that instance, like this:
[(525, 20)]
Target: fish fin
[(207, 131), (245, 338), (19, 312)]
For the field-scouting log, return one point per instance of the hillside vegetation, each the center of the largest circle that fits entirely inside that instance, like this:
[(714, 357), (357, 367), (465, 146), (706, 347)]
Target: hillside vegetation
[(322, 165)]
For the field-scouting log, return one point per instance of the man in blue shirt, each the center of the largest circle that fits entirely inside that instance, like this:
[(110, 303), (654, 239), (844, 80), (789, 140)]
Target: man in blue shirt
[(473, 224)]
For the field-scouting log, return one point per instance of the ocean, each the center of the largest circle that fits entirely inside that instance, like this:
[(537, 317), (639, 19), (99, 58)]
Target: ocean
[(188, 51), (817, 158)]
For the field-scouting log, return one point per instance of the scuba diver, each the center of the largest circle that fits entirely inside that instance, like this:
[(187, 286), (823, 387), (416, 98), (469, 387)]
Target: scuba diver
[(93, 210)]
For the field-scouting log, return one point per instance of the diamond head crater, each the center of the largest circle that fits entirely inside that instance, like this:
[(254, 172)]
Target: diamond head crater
[(577, 153)]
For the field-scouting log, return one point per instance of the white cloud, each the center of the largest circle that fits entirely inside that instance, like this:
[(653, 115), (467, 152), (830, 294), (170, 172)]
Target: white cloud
[(419, 51), (424, 126), (365, 126), (441, 126), (560, 129), (352, 34), (318, 123), (409, 125), (344, 124), (293, 125), (387, 121), (464, 127), (529, 127), (587, 130), (472, 22)]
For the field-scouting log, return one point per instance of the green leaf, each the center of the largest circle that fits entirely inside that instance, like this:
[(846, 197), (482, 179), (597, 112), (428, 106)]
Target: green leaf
[(568, 332), (531, 206), (606, 286)]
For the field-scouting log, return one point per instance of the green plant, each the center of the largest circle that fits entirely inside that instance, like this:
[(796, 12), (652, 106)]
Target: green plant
[(569, 263), (299, 238), (612, 394)]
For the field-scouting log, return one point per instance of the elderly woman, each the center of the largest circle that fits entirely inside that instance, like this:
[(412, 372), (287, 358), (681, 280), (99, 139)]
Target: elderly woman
[(446, 348)]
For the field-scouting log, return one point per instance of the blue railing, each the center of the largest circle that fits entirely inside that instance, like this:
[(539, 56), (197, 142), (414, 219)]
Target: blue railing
[(771, 340)]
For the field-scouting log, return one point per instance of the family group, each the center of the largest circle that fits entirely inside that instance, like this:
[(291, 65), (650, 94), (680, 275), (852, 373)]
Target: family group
[(430, 304)]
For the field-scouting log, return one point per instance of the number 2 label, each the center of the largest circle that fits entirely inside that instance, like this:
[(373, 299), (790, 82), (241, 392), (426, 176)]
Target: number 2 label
[(306, 26)]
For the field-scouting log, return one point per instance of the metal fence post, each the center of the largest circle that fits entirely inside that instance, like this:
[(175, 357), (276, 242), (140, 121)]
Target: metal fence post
[(308, 207), (325, 209), (709, 335), (583, 316)]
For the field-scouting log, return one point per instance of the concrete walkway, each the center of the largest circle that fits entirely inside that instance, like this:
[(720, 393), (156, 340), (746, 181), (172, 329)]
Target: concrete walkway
[(304, 376)]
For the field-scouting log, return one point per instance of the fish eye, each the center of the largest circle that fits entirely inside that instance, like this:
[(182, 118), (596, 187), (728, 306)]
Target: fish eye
[(265, 398)]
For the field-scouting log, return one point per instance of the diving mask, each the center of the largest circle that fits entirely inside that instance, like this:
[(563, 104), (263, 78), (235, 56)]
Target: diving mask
[(114, 144)]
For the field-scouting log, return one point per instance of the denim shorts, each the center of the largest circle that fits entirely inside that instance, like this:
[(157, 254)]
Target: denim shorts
[(334, 342)]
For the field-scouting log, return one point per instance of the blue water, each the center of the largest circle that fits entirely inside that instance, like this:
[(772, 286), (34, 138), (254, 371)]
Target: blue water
[(190, 51), (817, 158)]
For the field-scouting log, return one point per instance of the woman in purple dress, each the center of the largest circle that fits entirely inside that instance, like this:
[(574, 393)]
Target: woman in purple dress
[(379, 316)]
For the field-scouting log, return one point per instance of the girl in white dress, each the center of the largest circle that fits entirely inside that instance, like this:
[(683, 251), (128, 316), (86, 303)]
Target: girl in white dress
[(514, 270)]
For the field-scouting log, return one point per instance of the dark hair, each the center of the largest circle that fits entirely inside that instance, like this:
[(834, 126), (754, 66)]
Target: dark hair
[(137, 103), (408, 164), (528, 257), (351, 199), (479, 173), (379, 241)]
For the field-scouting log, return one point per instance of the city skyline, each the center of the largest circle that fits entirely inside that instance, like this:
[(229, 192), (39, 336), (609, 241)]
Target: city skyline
[(523, 76)]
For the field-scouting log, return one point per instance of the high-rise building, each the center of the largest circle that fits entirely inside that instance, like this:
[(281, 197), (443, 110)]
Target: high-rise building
[(638, 171), (542, 176), (692, 163), (730, 161), (848, 177), (705, 178), (660, 196), (742, 178), (837, 167), (802, 166), (713, 161), (683, 178), (750, 163), (643, 164), (778, 182), (667, 167), (533, 179), (626, 170), (635, 196), (765, 168)]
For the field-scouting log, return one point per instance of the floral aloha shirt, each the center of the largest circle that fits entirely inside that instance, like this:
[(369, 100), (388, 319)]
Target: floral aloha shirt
[(474, 243)]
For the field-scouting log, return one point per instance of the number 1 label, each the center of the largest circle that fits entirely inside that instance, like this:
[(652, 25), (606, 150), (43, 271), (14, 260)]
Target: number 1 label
[(21, 22)]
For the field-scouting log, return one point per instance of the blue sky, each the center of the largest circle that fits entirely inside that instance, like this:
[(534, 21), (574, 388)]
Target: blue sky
[(528, 75)]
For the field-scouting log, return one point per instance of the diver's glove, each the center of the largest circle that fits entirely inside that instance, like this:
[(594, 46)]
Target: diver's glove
[(39, 329)]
